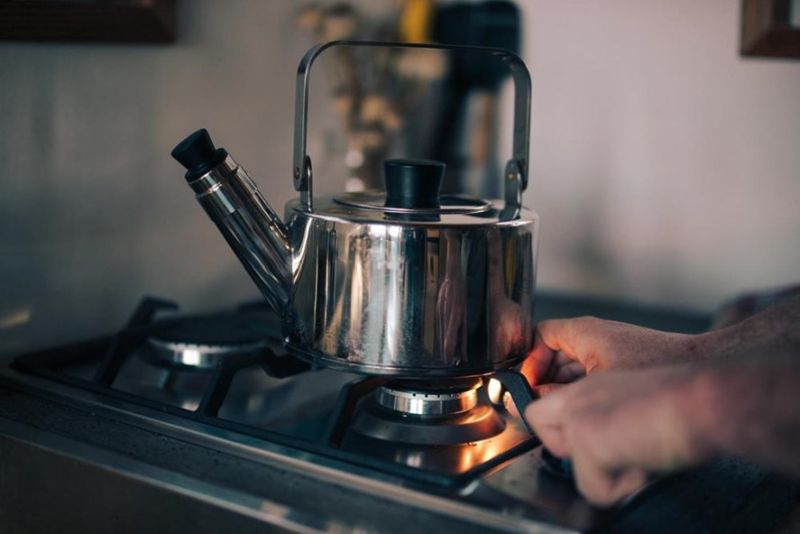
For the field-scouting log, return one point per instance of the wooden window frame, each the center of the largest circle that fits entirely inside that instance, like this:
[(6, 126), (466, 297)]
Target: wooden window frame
[(112, 21)]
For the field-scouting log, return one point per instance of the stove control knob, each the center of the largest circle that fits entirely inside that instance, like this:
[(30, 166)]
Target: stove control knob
[(554, 464)]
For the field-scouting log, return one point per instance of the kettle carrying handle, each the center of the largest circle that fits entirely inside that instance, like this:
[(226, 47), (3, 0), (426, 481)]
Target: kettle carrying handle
[(517, 168)]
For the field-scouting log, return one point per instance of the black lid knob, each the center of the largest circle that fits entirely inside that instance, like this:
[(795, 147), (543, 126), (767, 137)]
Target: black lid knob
[(198, 154), (413, 183)]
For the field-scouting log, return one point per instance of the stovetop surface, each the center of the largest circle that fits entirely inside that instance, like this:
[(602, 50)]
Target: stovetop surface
[(266, 393), (286, 425)]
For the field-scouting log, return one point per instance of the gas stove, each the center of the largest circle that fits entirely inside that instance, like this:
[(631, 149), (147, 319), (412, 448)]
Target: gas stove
[(208, 419)]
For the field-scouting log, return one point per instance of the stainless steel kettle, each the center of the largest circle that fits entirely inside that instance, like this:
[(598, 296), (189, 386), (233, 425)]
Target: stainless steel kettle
[(407, 282)]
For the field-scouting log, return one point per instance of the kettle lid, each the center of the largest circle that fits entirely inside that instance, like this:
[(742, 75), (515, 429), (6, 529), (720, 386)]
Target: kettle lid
[(413, 188)]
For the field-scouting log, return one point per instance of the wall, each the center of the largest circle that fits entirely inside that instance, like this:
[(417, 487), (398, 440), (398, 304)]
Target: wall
[(665, 167), (94, 212)]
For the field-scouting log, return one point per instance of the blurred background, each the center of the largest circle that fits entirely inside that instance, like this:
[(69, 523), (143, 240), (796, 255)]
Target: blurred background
[(665, 165)]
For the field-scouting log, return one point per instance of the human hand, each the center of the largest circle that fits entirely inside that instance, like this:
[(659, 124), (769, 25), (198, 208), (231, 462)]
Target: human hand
[(567, 349), (620, 427)]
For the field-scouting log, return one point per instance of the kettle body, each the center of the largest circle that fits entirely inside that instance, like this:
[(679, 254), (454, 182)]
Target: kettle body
[(447, 297)]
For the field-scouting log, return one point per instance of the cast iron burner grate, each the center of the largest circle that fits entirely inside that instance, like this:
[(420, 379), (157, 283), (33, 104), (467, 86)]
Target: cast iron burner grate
[(144, 326)]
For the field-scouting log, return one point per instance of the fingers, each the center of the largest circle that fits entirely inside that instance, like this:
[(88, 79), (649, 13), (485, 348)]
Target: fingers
[(627, 483), (546, 389), (545, 416), (536, 367), (566, 371), (562, 350), (602, 486), (580, 339), (553, 439), (583, 421), (558, 334), (592, 481)]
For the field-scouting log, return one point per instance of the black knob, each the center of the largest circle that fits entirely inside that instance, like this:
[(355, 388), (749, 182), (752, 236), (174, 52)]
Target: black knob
[(558, 466), (197, 154), (413, 183)]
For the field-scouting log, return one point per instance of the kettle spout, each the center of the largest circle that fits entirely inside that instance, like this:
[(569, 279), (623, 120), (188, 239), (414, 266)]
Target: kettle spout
[(249, 224)]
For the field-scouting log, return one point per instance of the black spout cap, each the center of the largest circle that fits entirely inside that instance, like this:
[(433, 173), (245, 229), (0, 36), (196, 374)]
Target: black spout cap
[(198, 154), (413, 183)]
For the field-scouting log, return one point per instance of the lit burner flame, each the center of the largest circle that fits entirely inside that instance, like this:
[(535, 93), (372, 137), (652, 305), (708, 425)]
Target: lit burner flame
[(495, 390), (191, 357)]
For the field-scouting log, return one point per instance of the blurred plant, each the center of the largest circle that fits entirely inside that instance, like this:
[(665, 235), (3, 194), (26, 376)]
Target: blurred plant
[(374, 90)]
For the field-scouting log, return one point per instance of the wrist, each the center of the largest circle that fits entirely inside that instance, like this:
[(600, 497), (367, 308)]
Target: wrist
[(705, 346)]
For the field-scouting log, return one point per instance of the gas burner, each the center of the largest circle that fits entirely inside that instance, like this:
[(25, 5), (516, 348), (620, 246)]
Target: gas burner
[(442, 425), (452, 412), (201, 343), (479, 423), (430, 398)]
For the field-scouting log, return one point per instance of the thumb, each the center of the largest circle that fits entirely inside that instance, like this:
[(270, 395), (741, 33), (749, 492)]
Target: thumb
[(538, 365), (545, 418)]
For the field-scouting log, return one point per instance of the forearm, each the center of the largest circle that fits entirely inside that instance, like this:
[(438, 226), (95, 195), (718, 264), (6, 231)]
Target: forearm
[(776, 329), (749, 408)]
